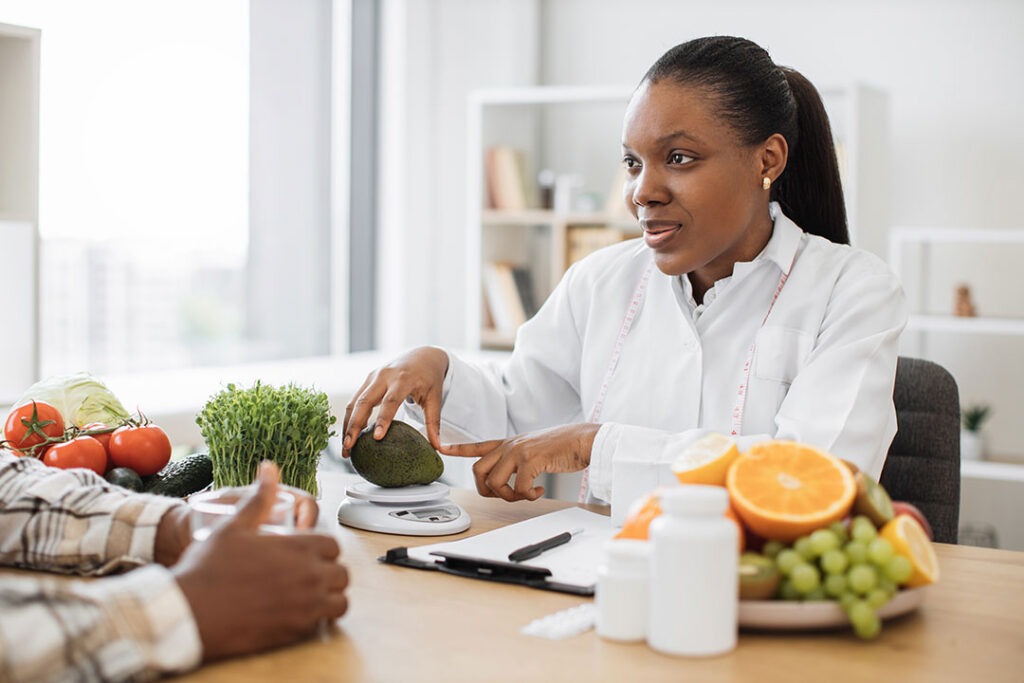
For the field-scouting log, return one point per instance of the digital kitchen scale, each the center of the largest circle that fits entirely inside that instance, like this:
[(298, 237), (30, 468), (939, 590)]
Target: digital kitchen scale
[(408, 510)]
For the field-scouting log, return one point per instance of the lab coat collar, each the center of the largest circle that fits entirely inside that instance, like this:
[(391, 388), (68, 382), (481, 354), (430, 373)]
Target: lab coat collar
[(781, 247), (780, 250), (785, 239)]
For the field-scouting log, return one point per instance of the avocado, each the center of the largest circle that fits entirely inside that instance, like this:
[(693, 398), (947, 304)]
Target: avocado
[(125, 477), (180, 478), (403, 457)]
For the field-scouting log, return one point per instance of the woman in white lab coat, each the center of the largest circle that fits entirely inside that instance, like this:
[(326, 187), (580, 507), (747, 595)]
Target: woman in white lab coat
[(741, 310)]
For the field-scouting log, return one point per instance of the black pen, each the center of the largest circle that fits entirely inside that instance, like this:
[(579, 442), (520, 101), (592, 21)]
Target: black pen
[(529, 552)]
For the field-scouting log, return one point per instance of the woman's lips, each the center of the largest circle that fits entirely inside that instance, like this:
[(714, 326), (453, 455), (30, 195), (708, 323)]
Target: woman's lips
[(657, 234)]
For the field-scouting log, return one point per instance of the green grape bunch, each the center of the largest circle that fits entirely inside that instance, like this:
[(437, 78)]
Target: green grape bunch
[(851, 565)]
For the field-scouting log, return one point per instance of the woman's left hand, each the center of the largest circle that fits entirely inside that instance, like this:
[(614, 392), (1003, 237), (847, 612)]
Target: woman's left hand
[(525, 457)]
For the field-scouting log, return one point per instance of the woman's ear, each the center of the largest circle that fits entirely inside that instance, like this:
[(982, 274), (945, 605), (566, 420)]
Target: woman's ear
[(774, 154)]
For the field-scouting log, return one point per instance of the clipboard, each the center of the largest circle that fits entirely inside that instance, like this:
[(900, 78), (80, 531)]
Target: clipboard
[(569, 568)]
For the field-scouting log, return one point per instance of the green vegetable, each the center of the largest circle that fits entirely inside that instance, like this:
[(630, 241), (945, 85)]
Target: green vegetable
[(80, 398), (125, 477), (180, 478), (402, 458), (289, 425)]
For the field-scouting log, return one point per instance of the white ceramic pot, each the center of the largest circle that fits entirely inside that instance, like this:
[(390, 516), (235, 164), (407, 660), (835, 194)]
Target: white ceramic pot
[(972, 445)]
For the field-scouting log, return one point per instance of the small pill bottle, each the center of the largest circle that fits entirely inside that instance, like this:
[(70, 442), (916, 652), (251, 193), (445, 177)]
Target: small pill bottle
[(621, 593), (694, 600)]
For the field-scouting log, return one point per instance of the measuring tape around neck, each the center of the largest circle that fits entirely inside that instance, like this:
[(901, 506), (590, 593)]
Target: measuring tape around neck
[(636, 301)]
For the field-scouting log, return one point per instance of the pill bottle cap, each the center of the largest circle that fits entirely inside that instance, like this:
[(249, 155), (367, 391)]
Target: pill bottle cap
[(695, 499)]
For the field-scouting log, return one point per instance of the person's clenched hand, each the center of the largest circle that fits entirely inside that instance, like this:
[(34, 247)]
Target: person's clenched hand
[(250, 591)]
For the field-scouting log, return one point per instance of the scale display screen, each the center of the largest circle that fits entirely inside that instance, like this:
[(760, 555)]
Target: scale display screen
[(444, 513)]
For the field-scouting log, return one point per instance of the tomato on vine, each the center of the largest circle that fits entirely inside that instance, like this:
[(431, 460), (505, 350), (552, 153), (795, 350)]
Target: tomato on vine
[(144, 448), (32, 424), (81, 451), (101, 432)]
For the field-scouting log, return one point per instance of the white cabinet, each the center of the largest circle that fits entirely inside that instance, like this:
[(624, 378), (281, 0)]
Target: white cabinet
[(576, 131), (19, 207)]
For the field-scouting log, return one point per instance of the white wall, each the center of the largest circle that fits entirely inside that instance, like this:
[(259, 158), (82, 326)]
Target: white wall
[(952, 68)]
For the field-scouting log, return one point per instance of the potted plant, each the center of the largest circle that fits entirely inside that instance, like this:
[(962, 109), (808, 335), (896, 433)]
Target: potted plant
[(972, 444)]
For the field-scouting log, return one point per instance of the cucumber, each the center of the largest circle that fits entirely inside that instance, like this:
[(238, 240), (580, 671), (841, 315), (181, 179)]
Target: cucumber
[(181, 477), (125, 477)]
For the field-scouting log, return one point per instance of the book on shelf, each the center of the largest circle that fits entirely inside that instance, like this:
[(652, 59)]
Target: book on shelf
[(505, 173), (524, 285), (502, 296), (583, 240)]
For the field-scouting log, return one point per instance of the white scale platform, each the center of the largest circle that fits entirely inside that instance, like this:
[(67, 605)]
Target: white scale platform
[(407, 511)]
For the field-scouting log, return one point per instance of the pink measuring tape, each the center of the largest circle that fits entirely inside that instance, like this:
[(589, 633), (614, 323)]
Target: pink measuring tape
[(627, 322)]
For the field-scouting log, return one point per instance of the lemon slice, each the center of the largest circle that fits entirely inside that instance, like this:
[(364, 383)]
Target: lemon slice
[(706, 460), (908, 538)]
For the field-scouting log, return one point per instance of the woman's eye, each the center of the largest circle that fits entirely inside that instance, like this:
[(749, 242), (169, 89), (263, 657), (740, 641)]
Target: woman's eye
[(630, 162), (679, 158)]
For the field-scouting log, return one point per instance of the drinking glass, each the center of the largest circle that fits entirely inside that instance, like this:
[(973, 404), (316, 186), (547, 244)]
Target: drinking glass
[(211, 507)]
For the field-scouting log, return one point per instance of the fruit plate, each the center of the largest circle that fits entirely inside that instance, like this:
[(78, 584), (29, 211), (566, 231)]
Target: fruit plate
[(782, 615)]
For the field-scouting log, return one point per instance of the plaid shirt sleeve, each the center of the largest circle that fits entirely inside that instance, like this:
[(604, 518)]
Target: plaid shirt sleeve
[(73, 521), (128, 627), (132, 627)]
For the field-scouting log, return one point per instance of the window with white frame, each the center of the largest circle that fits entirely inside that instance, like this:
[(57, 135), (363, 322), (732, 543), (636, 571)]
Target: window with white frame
[(188, 208)]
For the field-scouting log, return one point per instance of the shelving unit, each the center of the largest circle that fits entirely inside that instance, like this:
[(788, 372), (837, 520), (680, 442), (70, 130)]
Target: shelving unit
[(19, 206), (540, 121), (901, 240), (990, 488)]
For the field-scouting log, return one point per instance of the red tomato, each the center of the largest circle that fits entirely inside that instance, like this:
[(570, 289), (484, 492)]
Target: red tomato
[(103, 438), (81, 451), (145, 448), (31, 424)]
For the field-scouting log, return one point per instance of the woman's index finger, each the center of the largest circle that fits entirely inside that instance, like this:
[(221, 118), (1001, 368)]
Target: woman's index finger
[(470, 450)]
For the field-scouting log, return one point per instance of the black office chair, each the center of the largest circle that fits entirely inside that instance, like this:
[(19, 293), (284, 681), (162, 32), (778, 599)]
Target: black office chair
[(923, 466)]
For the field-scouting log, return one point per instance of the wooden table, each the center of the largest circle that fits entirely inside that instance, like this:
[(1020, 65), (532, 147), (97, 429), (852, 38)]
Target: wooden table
[(409, 625)]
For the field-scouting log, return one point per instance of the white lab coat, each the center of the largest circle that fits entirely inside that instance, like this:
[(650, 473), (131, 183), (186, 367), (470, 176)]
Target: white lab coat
[(822, 372)]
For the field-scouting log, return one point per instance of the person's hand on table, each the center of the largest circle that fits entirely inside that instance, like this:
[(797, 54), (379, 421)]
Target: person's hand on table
[(251, 591), (526, 456), (418, 374), (174, 533)]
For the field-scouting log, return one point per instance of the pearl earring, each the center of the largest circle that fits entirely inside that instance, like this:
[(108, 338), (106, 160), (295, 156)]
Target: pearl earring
[(766, 182)]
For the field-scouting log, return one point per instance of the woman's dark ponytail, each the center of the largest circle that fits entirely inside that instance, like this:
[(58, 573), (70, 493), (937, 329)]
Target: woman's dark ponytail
[(809, 190), (759, 99)]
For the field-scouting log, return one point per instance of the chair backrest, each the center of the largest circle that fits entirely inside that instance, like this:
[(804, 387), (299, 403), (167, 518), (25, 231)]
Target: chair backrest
[(923, 465)]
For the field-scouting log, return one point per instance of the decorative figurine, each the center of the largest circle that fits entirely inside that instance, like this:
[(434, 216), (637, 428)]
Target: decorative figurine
[(963, 306)]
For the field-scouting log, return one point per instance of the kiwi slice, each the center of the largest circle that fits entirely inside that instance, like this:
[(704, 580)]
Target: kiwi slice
[(872, 500), (759, 577)]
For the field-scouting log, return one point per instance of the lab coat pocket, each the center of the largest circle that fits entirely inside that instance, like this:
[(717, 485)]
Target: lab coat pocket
[(780, 353)]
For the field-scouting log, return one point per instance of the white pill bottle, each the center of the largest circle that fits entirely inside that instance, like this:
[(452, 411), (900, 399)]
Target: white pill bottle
[(694, 592)]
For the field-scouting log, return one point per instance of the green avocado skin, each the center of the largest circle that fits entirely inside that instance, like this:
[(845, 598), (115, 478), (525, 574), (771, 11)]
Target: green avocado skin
[(402, 458)]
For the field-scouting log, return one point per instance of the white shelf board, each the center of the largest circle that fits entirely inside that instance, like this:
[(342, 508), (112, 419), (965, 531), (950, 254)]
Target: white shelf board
[(958, 235), (551, 95), (999, 471), (965, 325), (541, 216)]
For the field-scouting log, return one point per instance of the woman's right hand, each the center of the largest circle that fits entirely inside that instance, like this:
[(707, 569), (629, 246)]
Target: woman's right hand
[(418, 374)]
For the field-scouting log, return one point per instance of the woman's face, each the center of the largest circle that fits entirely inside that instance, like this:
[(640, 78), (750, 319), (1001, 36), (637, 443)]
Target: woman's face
[(694, 188)]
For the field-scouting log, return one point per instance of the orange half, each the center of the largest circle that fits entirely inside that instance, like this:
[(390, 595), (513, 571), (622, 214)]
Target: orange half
[(706, 460), (783, 489)]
